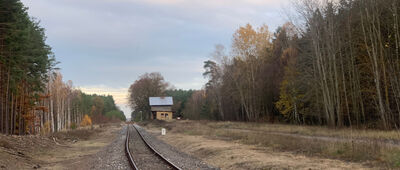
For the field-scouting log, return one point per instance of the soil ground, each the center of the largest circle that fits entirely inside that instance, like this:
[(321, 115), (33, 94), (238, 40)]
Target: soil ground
[(232, 153), (63, 150), (227, 145)]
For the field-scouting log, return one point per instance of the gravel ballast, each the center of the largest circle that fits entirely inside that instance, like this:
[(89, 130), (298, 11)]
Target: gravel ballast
[(182, 160), (143, 156), (113, 156)]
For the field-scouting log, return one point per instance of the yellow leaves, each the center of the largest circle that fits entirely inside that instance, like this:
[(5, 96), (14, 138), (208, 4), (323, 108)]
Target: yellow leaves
[(284, 104), (290, 98), (248, 41), (46, 128), (87, 121)]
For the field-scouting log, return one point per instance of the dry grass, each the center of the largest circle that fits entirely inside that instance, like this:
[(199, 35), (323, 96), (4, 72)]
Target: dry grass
[(371, 147), (313, 130), (79, 134)]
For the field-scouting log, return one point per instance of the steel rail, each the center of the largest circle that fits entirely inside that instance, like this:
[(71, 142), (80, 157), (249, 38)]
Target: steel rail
[(156, 152), (132, 162), (128, 153)]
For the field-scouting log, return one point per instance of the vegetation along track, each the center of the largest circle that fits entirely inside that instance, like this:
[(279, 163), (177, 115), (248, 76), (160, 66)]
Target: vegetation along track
[(143, 156)]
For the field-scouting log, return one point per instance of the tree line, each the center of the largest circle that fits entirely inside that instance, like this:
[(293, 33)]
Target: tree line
[(63, 107), (33, 97), (338, 67)]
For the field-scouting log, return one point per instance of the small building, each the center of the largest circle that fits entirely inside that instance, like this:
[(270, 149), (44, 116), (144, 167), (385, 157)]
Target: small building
[(161, 108)]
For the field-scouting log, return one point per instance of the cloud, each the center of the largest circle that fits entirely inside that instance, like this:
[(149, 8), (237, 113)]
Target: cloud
[(105, 45), (190, 83), (210, 3), (122, 23)]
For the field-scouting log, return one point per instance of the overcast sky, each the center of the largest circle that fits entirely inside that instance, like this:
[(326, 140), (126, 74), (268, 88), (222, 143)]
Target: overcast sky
[(104, 45)]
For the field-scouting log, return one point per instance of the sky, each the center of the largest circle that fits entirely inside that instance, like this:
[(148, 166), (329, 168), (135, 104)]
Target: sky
[(103, 46)]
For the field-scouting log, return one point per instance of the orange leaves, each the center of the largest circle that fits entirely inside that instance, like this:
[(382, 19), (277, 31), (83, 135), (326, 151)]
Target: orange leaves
[(87, 121), (44, 96), (42, 108), (29, 118), (249, 42)]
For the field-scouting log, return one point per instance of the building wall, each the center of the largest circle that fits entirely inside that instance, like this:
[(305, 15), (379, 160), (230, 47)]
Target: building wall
[(161, 108), (164, 115)]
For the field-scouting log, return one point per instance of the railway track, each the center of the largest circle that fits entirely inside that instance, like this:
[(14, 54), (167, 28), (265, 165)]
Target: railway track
[(143, 156)]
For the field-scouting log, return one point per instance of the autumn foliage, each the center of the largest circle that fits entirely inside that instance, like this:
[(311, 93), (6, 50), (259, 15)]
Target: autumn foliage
[(148, 85), (86, 121), (338, 65)]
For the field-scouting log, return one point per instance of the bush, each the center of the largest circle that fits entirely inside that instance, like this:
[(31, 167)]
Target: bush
[(87, 121), (46, 128), (73, 126)]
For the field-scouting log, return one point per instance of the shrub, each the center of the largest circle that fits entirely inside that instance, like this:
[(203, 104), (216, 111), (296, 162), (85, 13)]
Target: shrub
[(73, 126), (87, 121), (46, 128)]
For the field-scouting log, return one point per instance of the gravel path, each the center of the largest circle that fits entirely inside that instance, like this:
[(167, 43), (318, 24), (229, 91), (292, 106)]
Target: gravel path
[(182, 160), (143, 156), (113, 156)]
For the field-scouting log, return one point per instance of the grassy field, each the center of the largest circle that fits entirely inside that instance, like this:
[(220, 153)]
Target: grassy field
[(370, 147)]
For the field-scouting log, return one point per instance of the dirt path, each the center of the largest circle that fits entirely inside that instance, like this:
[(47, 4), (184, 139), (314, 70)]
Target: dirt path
[(77, 155), (79, 149), (233, 155)]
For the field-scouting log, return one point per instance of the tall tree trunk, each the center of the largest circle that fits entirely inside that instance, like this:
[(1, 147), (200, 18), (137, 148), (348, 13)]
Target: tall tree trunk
[(1, 96), (12, 114), (52, 115), (369, 32), (7, 104)]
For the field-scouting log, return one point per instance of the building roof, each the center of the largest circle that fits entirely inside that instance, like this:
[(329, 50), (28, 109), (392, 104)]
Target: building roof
[(161, 101)]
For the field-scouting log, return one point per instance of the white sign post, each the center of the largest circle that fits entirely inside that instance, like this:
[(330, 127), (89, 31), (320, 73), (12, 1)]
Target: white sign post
[(163, 131)]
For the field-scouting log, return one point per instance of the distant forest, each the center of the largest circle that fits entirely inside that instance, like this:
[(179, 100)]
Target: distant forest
[(33, 97), (338, 65)]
